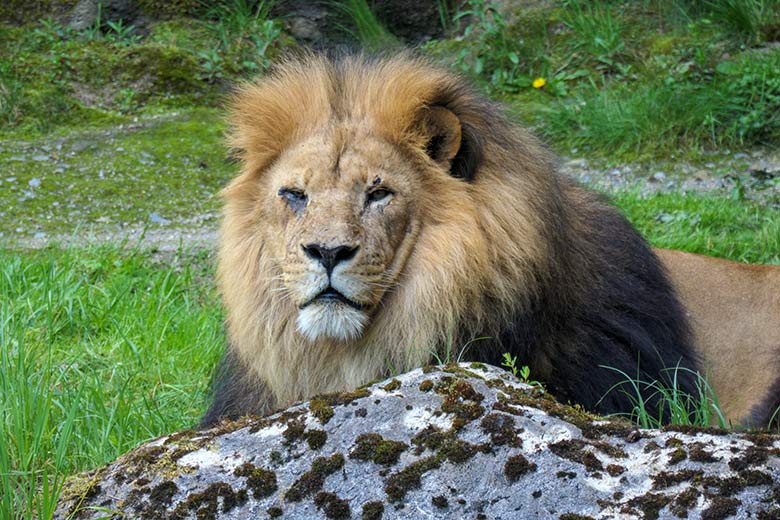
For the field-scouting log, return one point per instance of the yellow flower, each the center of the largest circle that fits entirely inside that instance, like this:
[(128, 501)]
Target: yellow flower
[(539, 82)]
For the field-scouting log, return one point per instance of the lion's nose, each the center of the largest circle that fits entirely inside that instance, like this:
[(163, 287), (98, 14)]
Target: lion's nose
[(329, 257)]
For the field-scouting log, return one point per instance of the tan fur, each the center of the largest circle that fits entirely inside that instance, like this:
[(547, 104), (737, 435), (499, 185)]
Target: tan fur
[(734, 310), (425, 257)]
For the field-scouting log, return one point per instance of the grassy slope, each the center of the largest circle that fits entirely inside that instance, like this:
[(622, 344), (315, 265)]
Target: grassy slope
[(630, 79), (115, 177)]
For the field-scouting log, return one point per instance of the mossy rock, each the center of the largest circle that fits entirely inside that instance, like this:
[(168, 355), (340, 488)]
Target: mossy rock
[(173, 8), (167, 68), (20, 12)]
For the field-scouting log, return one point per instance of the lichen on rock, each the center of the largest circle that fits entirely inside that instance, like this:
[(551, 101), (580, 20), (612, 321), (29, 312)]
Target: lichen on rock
[(446, 442)]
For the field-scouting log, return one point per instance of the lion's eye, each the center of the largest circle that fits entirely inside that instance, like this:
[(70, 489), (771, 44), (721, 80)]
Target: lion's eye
[(378, 195), (295, 198)]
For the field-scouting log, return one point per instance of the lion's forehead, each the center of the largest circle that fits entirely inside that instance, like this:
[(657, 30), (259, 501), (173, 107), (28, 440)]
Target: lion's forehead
[(328, 159)]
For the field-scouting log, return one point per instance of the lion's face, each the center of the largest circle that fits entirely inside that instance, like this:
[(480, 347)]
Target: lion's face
[(341, 221), (368, 226)]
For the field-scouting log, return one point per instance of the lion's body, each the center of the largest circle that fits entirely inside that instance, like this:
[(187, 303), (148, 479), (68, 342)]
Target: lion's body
[(734, 311), (386, 215)]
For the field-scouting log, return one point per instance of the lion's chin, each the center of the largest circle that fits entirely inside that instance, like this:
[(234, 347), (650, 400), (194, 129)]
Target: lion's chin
[(331, 320)]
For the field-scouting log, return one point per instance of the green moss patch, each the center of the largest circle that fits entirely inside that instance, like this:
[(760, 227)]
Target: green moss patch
[(372, 510), (501, 429), (516, 466), (578, 450), (332, 505), (372, 447), (460, 399), (399, 483), (316, 438), (261, 482), (312, 481), (206, 504)]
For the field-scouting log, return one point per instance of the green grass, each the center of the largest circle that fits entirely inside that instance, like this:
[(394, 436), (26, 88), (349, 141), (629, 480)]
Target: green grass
[(364, 26), (100, 349), (715, 226), (739, 230), (750, 20), (675, 406), (739, 106)]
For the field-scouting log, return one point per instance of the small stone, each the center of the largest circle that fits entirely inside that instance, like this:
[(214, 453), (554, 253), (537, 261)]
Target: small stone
[(40, 158), (303, 28), (35, 182), (157, 219), (80, 146)]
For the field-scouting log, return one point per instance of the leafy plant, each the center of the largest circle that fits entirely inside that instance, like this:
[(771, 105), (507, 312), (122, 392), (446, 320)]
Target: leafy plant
[(523, 373), (235, 20), (120, 34), (10, 95), (245, 33), (263, 39), (490, 53), (446, 17), (211, 64), (51, 31)]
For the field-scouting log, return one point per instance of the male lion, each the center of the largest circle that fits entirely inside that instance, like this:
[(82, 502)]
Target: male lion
[(386, 213)]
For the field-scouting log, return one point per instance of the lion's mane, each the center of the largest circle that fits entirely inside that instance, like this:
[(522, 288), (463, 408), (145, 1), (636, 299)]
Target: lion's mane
[(510, 252)]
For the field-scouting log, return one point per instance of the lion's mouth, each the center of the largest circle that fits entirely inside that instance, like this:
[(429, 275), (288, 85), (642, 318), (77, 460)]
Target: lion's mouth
[(331, 295)]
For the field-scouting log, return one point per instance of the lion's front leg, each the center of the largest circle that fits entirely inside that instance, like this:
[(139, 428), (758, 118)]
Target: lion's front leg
[(237, 392)]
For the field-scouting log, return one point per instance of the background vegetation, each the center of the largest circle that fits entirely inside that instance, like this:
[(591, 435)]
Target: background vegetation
[(105, 346)]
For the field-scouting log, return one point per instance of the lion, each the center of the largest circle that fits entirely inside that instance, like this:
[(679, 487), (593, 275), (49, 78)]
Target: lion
[(386, 215)]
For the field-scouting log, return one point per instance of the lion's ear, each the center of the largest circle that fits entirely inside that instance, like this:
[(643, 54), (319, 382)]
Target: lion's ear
[(444, 135)]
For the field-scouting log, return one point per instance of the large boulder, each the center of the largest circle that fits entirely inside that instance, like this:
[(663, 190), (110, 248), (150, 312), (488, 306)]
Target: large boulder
[(462, 441)]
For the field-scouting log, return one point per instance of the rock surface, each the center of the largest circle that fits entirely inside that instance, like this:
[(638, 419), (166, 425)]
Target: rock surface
[(462, 441)]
